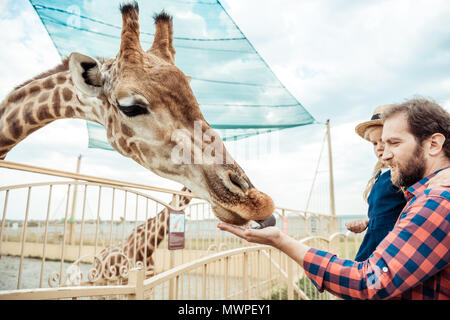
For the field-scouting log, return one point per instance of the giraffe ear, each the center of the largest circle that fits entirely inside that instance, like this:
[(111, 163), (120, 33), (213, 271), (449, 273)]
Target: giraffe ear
[(86, 74)]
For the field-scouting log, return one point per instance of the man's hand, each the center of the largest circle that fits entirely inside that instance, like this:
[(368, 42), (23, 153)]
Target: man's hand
[(357, 226), (440, 179), (270, 235)]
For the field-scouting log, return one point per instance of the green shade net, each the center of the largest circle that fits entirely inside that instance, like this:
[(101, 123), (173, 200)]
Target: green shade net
[(238, 93)]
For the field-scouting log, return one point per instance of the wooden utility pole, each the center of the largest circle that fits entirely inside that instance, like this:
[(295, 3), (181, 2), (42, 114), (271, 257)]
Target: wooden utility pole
[(330, 163), (74, 205)]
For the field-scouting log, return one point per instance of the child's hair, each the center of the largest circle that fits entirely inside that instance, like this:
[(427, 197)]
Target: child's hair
[(370, 183), (380, 164)]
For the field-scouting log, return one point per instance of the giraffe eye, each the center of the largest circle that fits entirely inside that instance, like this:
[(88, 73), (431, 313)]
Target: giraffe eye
[(133, 110)]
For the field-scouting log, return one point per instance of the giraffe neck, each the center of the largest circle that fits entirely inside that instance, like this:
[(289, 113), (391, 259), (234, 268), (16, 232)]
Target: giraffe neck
[(162, 227), (40, 102), (156, 228), (145, 238)]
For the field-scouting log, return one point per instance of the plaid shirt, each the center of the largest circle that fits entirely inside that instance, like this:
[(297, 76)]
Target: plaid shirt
[(412, 262)]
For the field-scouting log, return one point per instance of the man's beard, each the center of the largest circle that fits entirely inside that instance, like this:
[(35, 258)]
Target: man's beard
[(410, 173)]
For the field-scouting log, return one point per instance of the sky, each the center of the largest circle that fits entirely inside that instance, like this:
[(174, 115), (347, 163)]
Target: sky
[(339, 59)]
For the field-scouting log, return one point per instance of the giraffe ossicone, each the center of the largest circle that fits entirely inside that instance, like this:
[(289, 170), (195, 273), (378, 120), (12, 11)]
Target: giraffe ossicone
[(141, 98)]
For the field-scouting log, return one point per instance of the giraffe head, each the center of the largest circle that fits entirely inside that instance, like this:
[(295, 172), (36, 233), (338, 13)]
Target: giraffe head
[(149, 107)]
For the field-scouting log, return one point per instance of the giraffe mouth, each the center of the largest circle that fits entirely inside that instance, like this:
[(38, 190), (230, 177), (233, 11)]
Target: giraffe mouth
[(228, 216), (253, 206), (233, 197)]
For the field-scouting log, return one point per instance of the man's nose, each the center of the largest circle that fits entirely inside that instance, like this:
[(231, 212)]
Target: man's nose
[(387, 154)]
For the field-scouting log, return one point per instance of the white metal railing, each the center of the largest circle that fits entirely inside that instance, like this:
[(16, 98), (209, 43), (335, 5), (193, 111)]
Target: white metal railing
[(216, 276), (68, 224), (252, 272), (65, 233)]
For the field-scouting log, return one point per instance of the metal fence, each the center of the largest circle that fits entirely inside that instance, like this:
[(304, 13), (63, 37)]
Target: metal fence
[(82, 232)]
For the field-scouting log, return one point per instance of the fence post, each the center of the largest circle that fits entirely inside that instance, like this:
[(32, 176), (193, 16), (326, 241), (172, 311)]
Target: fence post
[(334, 225), (290, 275), (346, 245), (227, 264), (204, 273), (245, 277), (136, 279), (308, 224), (320, 227), (171, 281)]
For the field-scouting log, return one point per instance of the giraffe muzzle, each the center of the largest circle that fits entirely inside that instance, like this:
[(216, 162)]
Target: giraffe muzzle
[(234, 199), (240, 209)]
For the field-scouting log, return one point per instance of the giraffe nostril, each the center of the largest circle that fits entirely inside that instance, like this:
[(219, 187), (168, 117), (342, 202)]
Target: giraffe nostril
[(238, 182)]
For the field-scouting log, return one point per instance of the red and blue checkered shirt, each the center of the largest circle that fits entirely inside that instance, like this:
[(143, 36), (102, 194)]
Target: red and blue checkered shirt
[(412, 262)]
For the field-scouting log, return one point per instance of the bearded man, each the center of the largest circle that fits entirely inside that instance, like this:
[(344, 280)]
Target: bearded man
[(413, 260)]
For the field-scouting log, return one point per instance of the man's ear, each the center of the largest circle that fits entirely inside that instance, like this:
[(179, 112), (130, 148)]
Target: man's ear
[(86, 74), (436, 143)]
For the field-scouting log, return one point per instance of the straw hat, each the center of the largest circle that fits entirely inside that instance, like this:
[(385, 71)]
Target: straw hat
[(374, 121)]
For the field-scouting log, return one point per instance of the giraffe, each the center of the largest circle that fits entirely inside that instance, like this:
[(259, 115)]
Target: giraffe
[(138, 247), (142, 99)]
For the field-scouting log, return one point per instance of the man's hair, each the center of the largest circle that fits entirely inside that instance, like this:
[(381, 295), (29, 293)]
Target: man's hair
[(425, 118)]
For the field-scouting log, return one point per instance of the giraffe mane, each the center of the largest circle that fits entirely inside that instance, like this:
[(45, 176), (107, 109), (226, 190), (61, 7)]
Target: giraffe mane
[(63, 66)]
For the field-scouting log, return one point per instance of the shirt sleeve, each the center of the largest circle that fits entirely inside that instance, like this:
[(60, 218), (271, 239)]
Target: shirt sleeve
[(416, 249)]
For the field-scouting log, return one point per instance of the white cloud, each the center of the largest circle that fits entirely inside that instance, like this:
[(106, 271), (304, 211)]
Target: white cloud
[(346, 54), (27, 49)]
